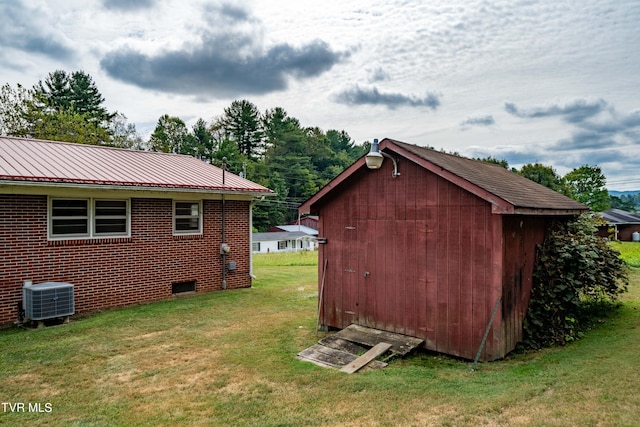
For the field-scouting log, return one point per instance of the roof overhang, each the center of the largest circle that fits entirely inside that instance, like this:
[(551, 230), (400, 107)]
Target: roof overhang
[(498, 205), (8, 186)]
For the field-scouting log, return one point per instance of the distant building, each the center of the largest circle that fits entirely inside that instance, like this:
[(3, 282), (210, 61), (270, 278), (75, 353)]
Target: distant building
[(291, 228), (623, 223), (283, 241), (310, 221)]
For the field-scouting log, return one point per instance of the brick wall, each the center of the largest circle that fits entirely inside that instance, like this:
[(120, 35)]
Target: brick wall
[(119, 271)]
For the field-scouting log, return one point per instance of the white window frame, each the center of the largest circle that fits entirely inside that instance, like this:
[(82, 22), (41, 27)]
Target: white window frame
[(199, 216), (95, 217), (285, 245), (90, 218)]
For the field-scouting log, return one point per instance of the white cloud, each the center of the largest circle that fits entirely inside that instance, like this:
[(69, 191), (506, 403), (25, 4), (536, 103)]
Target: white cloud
[(432, 73)]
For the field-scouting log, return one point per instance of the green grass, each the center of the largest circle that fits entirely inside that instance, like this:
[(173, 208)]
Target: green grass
[(629, 251), (228, 358), (286, 258)]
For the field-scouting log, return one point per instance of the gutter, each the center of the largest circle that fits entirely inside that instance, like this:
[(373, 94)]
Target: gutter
[(101, 185)]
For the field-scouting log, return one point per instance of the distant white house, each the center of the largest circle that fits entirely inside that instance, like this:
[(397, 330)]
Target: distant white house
[(294, 227), (283, 241)]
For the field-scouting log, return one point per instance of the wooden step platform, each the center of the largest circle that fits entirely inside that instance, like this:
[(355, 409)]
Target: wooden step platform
[(328, 357), (356, 347), (400, 344)]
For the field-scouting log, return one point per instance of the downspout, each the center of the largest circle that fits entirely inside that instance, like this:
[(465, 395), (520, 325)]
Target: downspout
[(223, 253), (251, 240)]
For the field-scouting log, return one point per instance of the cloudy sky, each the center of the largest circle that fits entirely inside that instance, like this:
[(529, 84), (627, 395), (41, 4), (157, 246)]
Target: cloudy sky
[(556, 82)]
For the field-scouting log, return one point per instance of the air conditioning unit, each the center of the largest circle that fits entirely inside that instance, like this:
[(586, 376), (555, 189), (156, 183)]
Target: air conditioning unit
[(48, 300)]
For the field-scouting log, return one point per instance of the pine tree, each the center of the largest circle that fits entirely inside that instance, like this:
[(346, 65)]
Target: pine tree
[(242, 122)]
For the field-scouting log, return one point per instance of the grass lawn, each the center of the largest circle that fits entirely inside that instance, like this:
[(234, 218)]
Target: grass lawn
[(630, 252), (228, 359)]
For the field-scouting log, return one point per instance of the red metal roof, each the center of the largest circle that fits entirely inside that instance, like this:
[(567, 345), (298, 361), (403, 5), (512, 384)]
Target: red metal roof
[(65, 163)]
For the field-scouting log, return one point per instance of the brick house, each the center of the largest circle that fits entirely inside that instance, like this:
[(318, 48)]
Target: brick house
[(124, 227)]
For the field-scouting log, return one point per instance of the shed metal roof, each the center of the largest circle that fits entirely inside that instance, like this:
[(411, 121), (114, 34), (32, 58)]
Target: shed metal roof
[(509, 186), (37, 161), (618, 216), (508, 192)]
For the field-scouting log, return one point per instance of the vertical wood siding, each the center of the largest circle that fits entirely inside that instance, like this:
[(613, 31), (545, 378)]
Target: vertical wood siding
[(521, 235), (416, 255)]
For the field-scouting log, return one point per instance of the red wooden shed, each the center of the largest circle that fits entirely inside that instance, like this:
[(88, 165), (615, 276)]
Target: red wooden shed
[(428, 253)]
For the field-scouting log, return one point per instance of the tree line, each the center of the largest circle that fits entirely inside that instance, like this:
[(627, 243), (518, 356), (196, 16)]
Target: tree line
[(270, 148), (65, 107)]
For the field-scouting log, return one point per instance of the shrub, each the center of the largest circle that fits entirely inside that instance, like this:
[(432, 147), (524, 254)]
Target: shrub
[(576, 274)]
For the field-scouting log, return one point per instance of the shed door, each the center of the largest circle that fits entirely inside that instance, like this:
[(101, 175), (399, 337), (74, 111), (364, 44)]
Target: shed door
[(369, 269), (350, 275), (382, 259), (366, 267)]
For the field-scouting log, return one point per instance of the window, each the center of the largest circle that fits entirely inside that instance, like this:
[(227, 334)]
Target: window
[(70, 217), (282, 244), (255, 246), (187, 218), (87, 218), (110, 217)]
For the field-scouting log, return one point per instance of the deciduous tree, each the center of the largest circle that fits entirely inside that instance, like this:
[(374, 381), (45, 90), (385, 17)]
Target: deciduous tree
[(587, 185), (13, 110), (171, 136), (67, 126), (545, 175), (124, 134)]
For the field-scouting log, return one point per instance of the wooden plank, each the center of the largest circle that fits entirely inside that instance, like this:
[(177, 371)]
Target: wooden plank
[(410, 301), (326, 357), (421, 278), (390, 284), (363, 360), (467, 270), (333, 341), (495, 345), (442, 268), (378, 277), (331, 357), (454, 254), (481, 265), (368, 309), (401, 344), (337, 343)]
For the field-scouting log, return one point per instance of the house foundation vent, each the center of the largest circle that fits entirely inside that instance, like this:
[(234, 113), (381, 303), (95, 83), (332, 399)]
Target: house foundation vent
[(182, 287)]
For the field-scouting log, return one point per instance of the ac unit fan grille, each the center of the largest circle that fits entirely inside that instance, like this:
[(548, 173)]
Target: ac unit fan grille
[(48, 300)]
